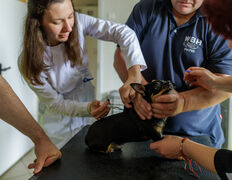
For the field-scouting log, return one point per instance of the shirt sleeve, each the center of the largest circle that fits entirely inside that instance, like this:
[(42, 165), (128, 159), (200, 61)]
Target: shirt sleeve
[(120, 34), (223, 165), (56, 102), (219, 54), (140, 17)]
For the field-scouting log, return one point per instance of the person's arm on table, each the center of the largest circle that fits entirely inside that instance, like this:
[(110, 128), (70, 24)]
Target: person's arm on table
[(14, 112), (215, 160), (169, 147)]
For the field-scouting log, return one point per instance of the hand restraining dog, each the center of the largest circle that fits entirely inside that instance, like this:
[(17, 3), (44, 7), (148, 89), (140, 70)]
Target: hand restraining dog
[(108, 133)]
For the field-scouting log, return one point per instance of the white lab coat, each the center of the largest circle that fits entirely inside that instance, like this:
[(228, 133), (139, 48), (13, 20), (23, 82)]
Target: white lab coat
[(64, 96)]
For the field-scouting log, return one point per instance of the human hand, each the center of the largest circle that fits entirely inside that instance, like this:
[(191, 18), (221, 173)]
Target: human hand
[(99, 111), (168, 147), (127, 93), (46, 153), (198, 76), (142, 107), (168, 105)]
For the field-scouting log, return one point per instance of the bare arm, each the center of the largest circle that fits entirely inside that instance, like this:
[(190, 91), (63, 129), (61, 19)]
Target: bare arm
[(127, 76), (202, 154), (14, 112), (120, 66), (199, 98), (195, 99), (169, 147), (224, 83)]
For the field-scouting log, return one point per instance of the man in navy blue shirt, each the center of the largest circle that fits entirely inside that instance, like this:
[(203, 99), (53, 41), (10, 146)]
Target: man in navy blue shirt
[(174, 35)]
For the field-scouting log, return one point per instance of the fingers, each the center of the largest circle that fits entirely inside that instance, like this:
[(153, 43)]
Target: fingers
[(125, 95), (193, 73), (195, 68), (142, 107), (154, 145), (163, 110), (95, 103), (102, 114), (132, 94), (39, 164), (50, 160), (167, 98), (101, 110), (31, 166), (166, 105), (195, 83)]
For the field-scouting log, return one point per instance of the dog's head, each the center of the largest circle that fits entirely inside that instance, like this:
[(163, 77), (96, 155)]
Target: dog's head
[(153, 89)]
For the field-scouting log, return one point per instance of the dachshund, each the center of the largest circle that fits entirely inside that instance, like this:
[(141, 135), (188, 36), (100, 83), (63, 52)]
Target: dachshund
[(107, 134)]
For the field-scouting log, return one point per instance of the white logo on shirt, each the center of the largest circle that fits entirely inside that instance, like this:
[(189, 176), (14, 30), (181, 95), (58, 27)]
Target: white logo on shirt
[(191, 43)]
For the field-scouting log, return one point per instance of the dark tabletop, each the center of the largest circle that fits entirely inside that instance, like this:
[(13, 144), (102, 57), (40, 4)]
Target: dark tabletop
[(136, 161)]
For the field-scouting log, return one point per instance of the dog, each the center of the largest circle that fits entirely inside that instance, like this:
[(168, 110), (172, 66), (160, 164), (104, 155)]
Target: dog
[(107, 134)]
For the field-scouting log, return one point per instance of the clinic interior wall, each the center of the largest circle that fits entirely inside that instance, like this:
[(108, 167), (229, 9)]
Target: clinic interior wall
[(85, 2), (117, 11)]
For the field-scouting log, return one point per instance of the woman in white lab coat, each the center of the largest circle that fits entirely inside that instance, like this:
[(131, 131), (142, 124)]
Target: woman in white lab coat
[(54, 63)]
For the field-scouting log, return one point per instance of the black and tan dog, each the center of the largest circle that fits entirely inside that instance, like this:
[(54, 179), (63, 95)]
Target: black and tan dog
[(108, 133)]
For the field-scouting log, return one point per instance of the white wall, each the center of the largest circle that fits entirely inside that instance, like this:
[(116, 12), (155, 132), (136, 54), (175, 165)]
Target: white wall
[(85, 2), (117, 11), (13, 144)]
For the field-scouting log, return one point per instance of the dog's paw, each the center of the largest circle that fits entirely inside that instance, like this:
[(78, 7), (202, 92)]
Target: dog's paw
[(113, 147)]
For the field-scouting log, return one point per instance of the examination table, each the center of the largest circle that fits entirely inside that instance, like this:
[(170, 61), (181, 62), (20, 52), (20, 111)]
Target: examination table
[(135, 162)]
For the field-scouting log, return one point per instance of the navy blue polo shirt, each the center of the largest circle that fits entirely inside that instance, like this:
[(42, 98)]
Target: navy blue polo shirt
[(169, 50)]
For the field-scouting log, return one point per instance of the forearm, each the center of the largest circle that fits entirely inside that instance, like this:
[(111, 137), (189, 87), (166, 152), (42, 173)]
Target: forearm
[(120, 67), (57, 103), (134, 73), (224, 83), (204, 155), (70, 108), (200, 98), (14, 112)]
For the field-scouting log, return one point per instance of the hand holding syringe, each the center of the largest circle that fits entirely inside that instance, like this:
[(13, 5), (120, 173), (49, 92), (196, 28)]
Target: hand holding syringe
[(100, 110)]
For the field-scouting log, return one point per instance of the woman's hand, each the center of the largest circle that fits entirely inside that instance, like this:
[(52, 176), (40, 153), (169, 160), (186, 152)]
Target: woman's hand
[(168, 147), (126, 91), (97, 110), (198, 76), (142, 107)]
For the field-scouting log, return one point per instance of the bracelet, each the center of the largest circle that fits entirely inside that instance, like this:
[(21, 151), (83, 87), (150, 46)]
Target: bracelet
[(182, 149), (188, 161)]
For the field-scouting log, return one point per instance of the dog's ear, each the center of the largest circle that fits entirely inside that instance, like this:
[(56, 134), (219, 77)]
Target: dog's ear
[(139, 88)]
